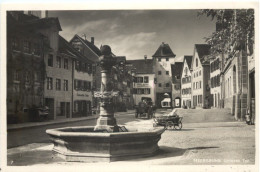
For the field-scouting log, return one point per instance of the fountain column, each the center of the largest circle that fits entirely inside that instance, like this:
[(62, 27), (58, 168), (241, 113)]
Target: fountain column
[(106, 121)]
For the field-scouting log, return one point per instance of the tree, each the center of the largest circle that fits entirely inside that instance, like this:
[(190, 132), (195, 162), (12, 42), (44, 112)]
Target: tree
[(234, 31)]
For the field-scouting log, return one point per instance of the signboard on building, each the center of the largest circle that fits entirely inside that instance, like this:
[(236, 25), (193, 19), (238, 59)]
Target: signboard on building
[(142, 84)]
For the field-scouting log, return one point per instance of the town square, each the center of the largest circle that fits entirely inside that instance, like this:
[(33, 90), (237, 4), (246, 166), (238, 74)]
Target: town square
[(131, 87)]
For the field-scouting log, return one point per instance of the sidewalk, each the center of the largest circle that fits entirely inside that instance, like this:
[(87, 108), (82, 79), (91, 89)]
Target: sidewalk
[(11, 127)]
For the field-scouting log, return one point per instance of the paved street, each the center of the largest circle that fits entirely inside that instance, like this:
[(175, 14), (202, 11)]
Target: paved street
[(210, 142)]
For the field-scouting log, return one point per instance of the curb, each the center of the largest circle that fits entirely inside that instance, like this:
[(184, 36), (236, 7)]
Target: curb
[(40, 124)]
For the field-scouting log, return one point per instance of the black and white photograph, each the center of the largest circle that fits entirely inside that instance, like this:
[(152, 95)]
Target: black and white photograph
[(130, 87)]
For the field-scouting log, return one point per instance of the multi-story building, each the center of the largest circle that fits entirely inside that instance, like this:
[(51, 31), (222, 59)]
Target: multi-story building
[(186, 82), (25, 67), (91, 52), (163, 58), (176, 70), (251, 87), (201, 77), (81, 80), (144, 80), (215, 88)]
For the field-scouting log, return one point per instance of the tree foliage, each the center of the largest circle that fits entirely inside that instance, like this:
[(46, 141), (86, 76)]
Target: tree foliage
[(234, 30)]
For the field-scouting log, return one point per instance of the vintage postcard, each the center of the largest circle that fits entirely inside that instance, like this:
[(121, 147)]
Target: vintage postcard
[(118, 87)]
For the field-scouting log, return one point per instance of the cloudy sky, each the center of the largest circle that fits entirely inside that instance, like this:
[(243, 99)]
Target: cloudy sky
[(135, 33)]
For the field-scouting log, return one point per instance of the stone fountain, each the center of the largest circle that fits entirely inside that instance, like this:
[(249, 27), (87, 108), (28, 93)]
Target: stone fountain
[(106, 141)]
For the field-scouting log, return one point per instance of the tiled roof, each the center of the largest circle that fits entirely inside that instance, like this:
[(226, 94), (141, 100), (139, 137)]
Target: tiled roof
[(188, 60), (142, 66), (176, 68), (120, 58), (203, 50), (45, 23), (66, 48), (176, 71), (91, 46), (164, 50)]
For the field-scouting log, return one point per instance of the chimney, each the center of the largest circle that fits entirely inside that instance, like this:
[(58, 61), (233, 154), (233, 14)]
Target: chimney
[(92, 40), (145, 57), (162, 42)]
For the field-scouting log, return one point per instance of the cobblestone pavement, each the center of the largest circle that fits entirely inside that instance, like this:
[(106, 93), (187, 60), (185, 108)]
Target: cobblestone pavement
[(207, 143)]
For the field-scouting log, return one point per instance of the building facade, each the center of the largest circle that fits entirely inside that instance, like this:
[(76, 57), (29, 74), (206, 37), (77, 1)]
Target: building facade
[(176, 70), (91, 52), (215, 88), (144, 80), (201, 77), (25, 67), (186, 82), (163, 58)]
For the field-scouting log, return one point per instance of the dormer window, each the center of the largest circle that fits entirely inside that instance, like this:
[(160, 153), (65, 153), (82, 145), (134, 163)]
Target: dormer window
[(196, 62)]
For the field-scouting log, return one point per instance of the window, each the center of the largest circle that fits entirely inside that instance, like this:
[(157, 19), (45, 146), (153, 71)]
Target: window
[(27, 76), (146, 79), (194, 74), (167, 59), (147, 91), (167, 85), (16, 75), (194, 85), (15, 43), (58, 62), (66, 64), (27, 46), (66, 85), (36, 49), (186, 71), (50, 60), (167, 72), (139, 79), (159, 72), (78, 65), (160, 85), (159, 59), (49, 83), (200, 84), (199, 72), (37, 76), (196, 62), (58, 84)]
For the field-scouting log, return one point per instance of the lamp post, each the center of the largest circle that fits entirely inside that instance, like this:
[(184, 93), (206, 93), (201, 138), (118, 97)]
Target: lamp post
[(106, 121)]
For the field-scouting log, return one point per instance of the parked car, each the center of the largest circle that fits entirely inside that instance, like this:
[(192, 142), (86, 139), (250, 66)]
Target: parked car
[(38, 113)]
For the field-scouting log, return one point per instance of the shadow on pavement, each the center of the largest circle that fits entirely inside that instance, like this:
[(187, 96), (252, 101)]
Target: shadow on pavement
[(32, 158), (188, 129), (202, 147)]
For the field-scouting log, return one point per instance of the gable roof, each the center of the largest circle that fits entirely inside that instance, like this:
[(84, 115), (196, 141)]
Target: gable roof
[(188, 60), (142, 66), (164, 50), (203, 50), (42, 23), (91, 46), (176, 69), (66, 48)]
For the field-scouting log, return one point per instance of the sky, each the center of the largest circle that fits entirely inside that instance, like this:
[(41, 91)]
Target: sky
[(135, 33)]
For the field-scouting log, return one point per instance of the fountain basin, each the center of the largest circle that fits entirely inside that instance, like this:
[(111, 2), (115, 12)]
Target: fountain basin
[(83, 144)]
